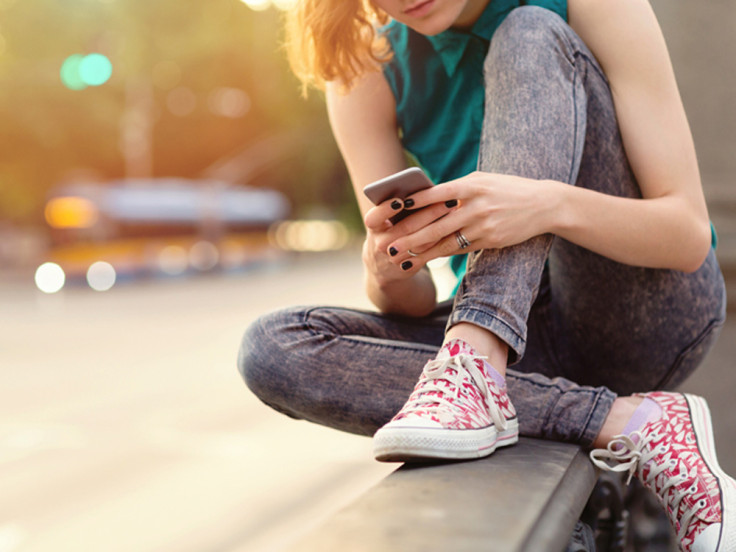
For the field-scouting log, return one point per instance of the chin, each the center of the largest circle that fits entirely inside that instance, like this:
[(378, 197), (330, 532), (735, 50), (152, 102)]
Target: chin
[(429, 28)]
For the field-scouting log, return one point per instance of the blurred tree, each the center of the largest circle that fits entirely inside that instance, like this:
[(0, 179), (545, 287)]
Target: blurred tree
[(192, 83)]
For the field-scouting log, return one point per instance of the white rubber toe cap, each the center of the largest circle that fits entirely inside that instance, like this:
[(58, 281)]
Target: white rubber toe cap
[(415, 421), (707, 541)]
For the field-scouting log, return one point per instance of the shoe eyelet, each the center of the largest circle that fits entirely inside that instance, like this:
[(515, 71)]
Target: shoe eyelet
[(673, 462), (702, 503), (662, 449)]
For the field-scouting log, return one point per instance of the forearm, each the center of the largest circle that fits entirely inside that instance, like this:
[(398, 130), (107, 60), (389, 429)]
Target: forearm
[(415, 297), (665, 232)]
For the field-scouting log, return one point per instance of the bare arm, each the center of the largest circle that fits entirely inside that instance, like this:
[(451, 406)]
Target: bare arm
[(364, 124), (669, 228)]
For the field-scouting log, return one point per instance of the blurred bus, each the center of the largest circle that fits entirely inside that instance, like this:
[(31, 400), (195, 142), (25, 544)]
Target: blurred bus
[(162, 226)]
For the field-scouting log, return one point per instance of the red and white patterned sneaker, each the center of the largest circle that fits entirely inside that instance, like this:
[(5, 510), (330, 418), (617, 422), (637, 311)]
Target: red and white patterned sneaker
[(675, 456), (456, 411)]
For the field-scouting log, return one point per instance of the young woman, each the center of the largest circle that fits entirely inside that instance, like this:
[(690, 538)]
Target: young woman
[(572, 206)]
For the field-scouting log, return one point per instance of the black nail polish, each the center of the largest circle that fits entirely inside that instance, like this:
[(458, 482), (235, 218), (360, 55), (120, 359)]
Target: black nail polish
[(406, 265), (393, 251), (408, 203), (396, 205), (451, 203)]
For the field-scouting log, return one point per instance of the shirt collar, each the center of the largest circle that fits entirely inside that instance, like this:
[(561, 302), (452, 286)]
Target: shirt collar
[(451, 44)]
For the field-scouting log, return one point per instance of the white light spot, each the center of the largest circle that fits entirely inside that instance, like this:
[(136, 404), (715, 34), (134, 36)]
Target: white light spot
[(50, 277), (101, 276), (257, 5)]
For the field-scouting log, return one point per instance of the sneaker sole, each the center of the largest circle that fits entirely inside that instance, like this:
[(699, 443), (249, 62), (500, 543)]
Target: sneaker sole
[(412, 444), (700, 416)]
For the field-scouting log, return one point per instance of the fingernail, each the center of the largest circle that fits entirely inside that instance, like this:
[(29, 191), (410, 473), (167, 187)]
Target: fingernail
[(451, 203), (406, 265), (408, 203), (396, 205), (393, 251)]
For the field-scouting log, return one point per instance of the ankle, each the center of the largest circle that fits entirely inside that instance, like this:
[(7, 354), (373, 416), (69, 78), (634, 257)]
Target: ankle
[(621, 411), (485, 343)]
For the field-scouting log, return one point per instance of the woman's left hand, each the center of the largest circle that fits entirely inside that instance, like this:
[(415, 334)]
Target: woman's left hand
[(493, 211)]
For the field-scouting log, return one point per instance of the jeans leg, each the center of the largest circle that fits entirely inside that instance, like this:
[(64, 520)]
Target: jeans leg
[(550, 115), (534, 126), (347, 369)]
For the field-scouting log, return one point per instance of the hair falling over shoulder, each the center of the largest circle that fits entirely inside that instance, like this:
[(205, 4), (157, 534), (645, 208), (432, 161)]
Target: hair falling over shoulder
[(334, 40)]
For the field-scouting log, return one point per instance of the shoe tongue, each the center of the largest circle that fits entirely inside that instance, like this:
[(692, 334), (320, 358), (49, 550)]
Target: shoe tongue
[(455, 347)]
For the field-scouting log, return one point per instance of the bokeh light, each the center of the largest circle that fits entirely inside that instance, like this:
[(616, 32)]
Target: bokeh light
[(310, 235), (229, 102), (79, 72), (101, 276), (173, 260), (50, 277), (95, 69), (258, 5), (69, 74), (262, 5), (71, 212), (204, 256)]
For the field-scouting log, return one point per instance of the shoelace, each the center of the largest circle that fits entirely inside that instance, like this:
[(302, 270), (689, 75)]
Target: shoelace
[(437, 370), (633, 454)]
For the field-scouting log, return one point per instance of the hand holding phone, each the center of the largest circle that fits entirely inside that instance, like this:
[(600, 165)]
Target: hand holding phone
[(401, 185)]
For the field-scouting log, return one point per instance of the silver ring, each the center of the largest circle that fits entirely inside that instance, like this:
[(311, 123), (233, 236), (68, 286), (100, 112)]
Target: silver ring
[(462, 241), (411, 253)]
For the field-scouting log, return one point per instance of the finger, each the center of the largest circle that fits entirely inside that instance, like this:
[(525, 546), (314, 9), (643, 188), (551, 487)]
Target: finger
[(448, 193), (408, 255), (412, 266), (432, 233), (421, 218), (375, 218), (446, 247)]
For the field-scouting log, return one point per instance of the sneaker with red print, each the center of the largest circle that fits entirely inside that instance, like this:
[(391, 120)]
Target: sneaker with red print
[(458, 410), (675, 457)]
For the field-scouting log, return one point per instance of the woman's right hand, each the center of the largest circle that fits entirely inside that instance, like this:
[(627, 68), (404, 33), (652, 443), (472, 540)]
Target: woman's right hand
[(379, 233), (398, 288)]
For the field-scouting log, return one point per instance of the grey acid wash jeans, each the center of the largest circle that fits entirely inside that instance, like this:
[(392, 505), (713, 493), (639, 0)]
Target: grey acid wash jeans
[(580, 328)]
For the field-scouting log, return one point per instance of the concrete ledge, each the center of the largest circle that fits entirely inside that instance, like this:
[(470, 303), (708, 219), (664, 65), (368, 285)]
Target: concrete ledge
[(527, 497)]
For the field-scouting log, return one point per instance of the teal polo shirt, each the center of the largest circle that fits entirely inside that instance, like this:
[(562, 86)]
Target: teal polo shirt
[(437, 82)]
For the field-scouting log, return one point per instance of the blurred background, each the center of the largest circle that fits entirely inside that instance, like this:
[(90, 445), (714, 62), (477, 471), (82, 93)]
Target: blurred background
[(125, 121), (162, 183)]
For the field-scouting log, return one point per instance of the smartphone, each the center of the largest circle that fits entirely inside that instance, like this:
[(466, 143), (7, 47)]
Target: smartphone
[(401, 185)]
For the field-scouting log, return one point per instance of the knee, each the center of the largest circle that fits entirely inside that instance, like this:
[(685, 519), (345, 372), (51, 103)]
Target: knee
[(527, 38), (261, 354)]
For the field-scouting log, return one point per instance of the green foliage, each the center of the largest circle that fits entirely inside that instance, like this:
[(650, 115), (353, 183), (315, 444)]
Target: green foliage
[(162, 51)]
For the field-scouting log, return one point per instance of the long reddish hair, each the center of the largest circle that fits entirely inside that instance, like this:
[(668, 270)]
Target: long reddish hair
[(334, 40)]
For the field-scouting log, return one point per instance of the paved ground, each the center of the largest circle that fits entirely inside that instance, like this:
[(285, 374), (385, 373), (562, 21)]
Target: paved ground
[(124, 425)]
